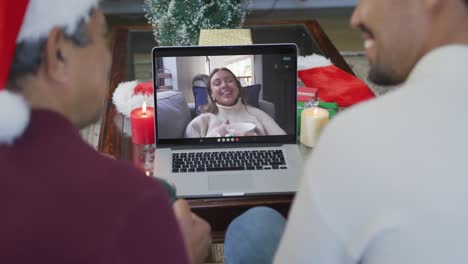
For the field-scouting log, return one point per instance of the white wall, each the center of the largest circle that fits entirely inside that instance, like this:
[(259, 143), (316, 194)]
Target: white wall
[(258, 69), (223, 61), (187, 68)]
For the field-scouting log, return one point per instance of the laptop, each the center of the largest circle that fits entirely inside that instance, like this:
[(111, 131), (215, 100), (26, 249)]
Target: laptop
[(247, 147)]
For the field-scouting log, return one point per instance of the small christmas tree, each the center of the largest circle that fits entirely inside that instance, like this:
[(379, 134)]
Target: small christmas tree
[(178, 22)]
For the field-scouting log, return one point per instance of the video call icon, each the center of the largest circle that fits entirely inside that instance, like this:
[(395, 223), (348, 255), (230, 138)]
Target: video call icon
[(231, 139)]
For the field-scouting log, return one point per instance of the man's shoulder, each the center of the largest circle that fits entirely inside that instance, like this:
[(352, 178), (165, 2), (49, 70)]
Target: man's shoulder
[(358, 139), (373, 117), (121, 178)]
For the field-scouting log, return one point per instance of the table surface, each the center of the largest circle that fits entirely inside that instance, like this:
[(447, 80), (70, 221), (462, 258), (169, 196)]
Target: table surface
[(131, 50)]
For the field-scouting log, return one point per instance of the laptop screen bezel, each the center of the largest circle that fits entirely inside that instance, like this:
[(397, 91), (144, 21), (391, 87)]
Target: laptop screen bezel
[(255, 49)]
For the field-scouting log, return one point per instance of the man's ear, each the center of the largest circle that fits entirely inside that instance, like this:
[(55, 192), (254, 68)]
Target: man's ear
[(55, 56)]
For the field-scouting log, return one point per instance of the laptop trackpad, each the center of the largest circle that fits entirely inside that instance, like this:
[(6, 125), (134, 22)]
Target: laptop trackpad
[(230, 182)]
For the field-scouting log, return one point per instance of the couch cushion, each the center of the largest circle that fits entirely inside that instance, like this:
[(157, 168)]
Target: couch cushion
[(201, 98), (253, 93), (173, 114)]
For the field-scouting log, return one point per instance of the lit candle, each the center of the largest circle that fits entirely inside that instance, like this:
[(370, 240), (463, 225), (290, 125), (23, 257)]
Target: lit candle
[(142, 122), (313, 120)]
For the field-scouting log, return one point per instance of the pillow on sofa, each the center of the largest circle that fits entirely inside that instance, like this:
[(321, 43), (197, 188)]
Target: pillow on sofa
[(253, 94), (173, 114), (201, 97)]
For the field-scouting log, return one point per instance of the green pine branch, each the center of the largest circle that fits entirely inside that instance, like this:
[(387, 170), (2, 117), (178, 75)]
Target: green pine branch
[(178, 22)]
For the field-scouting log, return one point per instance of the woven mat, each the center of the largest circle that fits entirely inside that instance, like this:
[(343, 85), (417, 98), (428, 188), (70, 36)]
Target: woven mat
[(220, 37), (216, 254), (360, 66)]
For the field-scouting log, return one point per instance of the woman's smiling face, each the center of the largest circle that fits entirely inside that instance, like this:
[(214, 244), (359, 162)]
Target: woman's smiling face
[(224, 88)]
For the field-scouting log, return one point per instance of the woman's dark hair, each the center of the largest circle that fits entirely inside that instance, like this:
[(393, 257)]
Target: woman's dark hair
[(211, 107), (29, 54)]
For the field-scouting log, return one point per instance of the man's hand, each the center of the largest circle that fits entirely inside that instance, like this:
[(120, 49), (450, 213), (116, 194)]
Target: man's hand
[(195, 230)]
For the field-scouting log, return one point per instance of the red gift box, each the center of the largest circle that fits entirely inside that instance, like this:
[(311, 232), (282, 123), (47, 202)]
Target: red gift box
[(306, 94)]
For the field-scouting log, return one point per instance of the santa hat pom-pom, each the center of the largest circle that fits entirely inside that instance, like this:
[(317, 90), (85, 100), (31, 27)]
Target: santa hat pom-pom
[(312, 61), (130, 95), (14, 116), (122, 94)]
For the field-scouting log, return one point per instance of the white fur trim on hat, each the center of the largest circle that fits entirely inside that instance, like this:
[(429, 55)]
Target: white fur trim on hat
[(312, 61), (43, 15), (14, 116), (125, 101)]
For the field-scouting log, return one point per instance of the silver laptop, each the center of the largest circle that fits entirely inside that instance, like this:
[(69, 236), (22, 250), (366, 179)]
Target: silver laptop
[(245, 147)]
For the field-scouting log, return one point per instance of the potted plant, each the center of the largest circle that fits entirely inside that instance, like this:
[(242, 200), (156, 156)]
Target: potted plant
[(178, 22)]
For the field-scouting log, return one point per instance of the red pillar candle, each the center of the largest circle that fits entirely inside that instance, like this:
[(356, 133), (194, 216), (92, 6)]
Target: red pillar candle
[(142, 122)]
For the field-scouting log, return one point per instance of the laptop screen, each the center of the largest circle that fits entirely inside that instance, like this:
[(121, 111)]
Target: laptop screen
[(225, 94)]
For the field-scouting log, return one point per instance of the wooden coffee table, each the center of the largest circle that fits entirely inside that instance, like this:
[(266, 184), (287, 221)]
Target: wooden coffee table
[(131, 50)]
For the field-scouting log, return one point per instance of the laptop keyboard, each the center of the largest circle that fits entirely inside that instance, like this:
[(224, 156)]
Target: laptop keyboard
[(228, 161)]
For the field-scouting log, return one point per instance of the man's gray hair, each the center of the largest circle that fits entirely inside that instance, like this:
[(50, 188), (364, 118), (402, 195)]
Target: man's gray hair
[(29, 54)]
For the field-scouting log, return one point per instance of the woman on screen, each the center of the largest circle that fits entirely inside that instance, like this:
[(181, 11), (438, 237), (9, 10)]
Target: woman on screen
[(227, 112)]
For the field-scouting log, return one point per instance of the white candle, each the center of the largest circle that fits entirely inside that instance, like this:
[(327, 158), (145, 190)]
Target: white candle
[(313, 120)]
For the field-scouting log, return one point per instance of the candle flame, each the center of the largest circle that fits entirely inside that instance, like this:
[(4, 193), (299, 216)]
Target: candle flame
[(316, 111), (148, 173), (144, 107)]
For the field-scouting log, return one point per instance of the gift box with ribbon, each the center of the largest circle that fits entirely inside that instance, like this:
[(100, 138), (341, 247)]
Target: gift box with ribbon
[(306, 94)]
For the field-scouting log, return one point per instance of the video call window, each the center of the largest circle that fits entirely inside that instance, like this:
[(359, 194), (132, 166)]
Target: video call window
[(248, 95)]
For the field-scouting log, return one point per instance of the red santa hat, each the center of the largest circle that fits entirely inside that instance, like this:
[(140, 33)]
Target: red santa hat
[(29, 20), (332, 83), (130, 95)]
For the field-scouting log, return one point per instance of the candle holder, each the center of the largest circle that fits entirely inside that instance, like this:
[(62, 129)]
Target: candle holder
[(143, 157)]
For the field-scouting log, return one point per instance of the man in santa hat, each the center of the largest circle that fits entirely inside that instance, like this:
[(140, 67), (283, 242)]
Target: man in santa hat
[(60, 200), (388, 179)]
